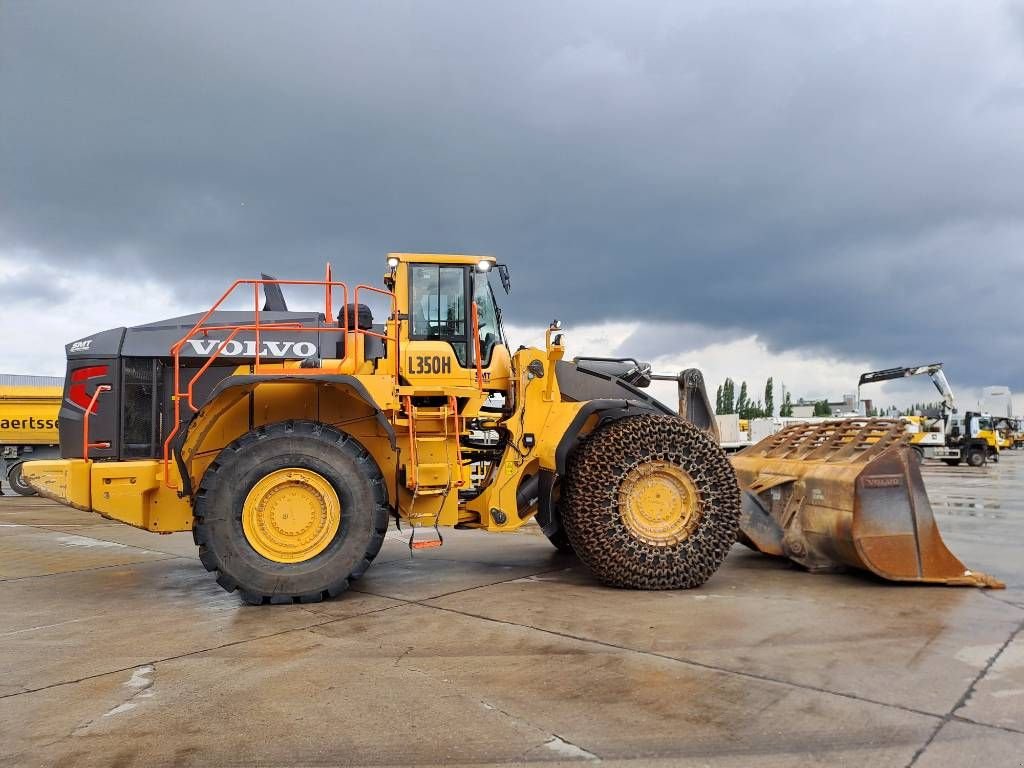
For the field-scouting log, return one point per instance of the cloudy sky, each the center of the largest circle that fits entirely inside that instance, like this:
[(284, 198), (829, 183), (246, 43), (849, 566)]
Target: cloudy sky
[(804, 189)]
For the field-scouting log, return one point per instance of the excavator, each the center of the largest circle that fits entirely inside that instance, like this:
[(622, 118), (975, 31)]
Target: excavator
[(288, 441)]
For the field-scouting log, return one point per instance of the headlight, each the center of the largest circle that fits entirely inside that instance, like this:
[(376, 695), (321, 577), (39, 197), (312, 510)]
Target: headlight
[(393, 262), (483, 265)]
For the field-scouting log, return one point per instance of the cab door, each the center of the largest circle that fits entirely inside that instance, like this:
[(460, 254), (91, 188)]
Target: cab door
[(442, 346), (495, 360)]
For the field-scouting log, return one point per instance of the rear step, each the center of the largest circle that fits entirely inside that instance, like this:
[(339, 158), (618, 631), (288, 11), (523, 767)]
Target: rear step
[(425, 543)]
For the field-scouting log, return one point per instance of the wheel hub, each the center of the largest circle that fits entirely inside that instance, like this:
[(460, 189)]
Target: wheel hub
[(659, 503), (291, 515)]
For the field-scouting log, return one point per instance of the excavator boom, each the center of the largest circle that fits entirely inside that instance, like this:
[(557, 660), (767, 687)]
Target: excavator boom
[(932, 369)]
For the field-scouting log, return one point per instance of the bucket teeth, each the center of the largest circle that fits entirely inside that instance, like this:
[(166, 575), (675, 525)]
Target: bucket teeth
[(846, 494)]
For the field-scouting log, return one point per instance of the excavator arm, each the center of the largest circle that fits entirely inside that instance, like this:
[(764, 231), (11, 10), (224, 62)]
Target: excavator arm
[(932, 369)]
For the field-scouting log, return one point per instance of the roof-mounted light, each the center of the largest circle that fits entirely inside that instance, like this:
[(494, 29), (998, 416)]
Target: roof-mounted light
[(483, 265), (393, 262)]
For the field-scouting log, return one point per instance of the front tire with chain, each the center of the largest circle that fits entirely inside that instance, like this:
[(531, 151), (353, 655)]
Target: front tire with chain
[(325, 461), (683, 486)]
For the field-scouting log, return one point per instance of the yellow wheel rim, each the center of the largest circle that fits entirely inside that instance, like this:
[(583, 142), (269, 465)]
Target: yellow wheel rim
[(291, 515), (659, 503)]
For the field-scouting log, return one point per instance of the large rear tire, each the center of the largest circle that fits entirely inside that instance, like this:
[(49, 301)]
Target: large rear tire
[(290, 512), (18, 484), (651, 502)]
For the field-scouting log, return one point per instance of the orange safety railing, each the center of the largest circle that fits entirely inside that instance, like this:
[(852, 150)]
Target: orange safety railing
[(453, 403), (477, 352), (257, 328), (411, 479), (86, 445)]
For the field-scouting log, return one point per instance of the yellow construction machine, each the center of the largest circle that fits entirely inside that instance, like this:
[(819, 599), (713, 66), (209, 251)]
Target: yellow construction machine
[(1017, 431), (287, 441), (1003, 430)]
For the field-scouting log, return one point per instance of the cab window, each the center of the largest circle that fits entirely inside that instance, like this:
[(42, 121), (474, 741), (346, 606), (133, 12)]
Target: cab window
[(438, 306), (487, 317)]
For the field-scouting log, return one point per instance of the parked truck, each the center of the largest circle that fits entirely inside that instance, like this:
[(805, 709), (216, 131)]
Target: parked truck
[(956, 436), (28, 424)]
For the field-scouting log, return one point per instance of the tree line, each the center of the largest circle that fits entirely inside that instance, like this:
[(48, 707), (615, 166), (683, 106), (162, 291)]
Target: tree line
[(727, 401)]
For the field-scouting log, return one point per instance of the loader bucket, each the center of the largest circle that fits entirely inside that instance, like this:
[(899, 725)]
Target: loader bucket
[(846, 494)]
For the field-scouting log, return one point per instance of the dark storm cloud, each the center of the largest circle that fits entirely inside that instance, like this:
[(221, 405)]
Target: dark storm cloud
[(835, 175)]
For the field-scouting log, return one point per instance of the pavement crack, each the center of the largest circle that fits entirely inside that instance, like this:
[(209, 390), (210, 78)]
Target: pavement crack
[(966, 696), (59, 528), (147, 561), (409, 601), (402, 655), (687, 662), (1001, 601), (199, 651), (969, 721)]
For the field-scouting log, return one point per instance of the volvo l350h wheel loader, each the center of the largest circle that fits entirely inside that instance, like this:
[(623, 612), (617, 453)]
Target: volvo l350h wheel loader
[(286, 441)]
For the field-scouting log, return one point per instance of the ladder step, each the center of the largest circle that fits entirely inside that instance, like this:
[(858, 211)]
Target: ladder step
[(425, 544), (430, 413), (432, 490)]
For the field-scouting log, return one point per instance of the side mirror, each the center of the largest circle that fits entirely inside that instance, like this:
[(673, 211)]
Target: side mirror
[(552, 337), (506, 282)]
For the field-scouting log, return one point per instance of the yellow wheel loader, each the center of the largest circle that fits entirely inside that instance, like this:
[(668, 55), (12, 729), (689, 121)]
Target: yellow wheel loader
[(287, 441)]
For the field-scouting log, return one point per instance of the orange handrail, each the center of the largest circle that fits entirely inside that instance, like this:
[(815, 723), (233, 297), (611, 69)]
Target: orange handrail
[(328, 295), (220, 348), (411, 478), (258, 328), (453, 403), (382, 292), (477, 352), (86, 445)]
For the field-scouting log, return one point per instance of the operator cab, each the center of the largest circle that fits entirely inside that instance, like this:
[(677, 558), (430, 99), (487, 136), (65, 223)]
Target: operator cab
[(454, 334)]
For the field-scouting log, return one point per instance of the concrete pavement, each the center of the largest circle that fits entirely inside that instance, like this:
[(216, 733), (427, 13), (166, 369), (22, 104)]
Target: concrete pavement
[(117, 648)]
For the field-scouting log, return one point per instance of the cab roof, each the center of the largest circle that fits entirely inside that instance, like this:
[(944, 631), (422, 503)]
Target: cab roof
[(441, 258)]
